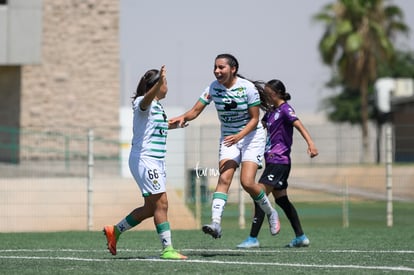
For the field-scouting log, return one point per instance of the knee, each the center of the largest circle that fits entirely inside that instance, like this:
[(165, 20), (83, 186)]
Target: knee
[(248, 182), (282, 200), (223, 184), (163, 204), (223, 180), (159, 202), (245, 184), (249, 187)]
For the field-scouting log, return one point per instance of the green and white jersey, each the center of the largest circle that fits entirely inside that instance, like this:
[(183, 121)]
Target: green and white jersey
[(150, 129), (232, 104)]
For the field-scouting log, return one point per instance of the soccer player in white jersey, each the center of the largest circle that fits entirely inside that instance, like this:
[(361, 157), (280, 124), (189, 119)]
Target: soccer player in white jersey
[(242, 141), (147, 163)]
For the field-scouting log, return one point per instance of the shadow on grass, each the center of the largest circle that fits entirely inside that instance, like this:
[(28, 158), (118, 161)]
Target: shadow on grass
[(210, 254)]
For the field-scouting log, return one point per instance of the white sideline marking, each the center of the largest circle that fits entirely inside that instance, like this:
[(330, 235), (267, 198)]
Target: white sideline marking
[(218, 250), (383, 268)]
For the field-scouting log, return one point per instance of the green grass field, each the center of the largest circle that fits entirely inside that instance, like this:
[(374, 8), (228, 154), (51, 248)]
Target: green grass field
[(366, 247)]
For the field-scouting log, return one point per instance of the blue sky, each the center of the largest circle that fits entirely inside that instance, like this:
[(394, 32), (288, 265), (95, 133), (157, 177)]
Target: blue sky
[(270, 38)]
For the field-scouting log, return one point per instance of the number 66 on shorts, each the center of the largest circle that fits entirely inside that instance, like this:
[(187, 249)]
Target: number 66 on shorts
[(149, 174)]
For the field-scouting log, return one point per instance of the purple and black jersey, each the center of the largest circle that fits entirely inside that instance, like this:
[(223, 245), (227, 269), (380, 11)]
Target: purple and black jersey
[(279, 125)]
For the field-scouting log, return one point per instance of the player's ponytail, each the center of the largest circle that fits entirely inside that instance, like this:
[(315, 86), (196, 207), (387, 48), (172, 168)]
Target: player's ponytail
[(265, 104)]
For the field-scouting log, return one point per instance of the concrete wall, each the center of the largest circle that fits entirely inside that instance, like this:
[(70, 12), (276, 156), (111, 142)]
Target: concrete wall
[(75, 86), (20, 32), (77, 83)]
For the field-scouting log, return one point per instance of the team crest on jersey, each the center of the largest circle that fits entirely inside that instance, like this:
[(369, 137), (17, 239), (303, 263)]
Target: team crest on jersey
[(276, 116), (156, 185), (239, 91)]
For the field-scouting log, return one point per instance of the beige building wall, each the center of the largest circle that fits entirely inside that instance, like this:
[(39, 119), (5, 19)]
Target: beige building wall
[(76, 85)]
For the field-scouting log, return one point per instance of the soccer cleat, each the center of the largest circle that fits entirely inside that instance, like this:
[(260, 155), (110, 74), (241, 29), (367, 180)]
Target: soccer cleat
[(301, 241), (274, 223), (111, 238), (169, 253), (213, 229), (250, 242)]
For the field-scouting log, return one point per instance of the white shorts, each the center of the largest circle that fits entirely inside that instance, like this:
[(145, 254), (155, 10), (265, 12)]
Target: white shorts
[(149, 174), (249, 148)]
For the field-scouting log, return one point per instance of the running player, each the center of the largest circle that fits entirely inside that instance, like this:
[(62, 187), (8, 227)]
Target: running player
[(147, 163), (279, 122), (242, 140)]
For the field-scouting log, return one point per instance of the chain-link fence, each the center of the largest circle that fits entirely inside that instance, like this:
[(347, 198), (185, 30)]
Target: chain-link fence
[(44, 174)]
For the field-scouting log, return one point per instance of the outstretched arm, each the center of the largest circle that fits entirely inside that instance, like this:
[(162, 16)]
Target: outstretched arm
[(181, 121), (312, 150)]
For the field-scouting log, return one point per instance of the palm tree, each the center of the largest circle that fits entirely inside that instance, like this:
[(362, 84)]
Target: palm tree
[(358, 36)]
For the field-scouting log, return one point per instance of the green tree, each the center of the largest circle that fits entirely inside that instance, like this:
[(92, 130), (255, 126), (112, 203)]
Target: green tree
[(402, 66), (358, 36), (344, 107)]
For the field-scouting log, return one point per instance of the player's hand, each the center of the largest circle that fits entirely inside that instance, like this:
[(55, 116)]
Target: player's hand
[(230, 140), (177, 122), (312, 151), (163, 73)]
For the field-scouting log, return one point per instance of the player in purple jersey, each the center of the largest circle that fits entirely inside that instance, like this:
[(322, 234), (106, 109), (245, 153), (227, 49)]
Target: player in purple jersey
[(279, 122)]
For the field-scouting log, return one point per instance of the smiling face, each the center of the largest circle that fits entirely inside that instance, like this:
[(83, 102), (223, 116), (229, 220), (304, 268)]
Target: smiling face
[(225, 74)]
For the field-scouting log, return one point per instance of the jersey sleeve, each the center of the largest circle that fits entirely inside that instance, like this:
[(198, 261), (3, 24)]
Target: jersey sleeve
[(290, 114), (205, 97), (136, 107), (253, 97)]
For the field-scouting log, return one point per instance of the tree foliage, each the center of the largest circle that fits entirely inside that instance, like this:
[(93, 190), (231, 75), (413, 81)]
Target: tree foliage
[(402, 66), (357, 39), (346, 105)]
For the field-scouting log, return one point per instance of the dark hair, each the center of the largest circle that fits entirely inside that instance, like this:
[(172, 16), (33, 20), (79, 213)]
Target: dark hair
[(264, 98), (231, 60), (278, 87), (147, 81)]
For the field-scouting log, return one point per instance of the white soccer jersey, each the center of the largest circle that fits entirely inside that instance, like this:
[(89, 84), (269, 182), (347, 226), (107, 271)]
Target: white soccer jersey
[(232, 104), (150, 129)]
